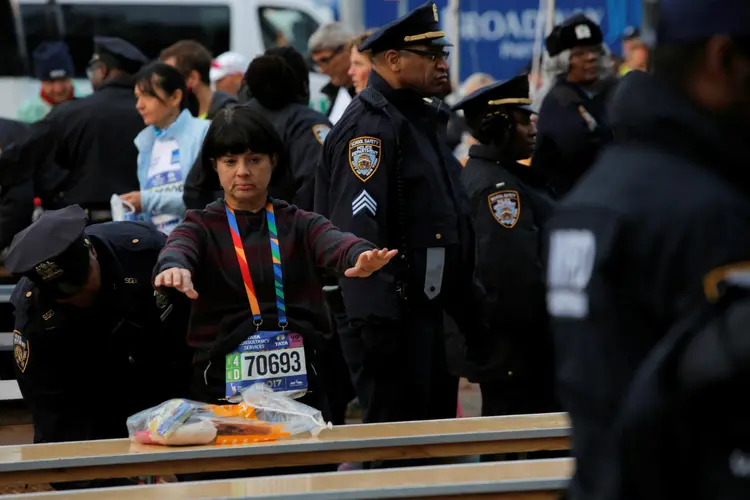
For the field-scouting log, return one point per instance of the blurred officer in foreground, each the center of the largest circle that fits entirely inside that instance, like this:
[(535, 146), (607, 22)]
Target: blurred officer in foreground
[(383, 168), (90, 139), (511, 204), (573, 123), (54, 68), (683, 427), (665, 205), (92, 342)]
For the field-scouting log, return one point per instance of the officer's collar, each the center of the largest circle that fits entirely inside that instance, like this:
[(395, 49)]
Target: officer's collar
[(494, 154), (126, 81), (395, 96)]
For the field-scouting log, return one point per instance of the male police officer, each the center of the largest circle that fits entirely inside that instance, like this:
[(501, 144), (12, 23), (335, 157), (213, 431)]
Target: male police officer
[(93, 344), (631, 247), (573, 124), (387, 176), (90, 139), (511, 203)]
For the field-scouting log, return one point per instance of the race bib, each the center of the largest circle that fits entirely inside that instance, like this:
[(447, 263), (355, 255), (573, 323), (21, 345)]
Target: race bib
[(274, 358)]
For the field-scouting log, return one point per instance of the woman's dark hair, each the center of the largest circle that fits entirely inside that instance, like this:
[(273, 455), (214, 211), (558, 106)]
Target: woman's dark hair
[(163, 76), (279, 77), (237, 130)]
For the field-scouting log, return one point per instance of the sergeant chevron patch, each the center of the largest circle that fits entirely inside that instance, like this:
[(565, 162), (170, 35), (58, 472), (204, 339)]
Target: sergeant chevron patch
[(364, 202)]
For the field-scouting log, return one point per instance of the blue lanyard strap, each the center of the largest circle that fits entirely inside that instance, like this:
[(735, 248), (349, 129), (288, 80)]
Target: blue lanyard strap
[(245, 269)]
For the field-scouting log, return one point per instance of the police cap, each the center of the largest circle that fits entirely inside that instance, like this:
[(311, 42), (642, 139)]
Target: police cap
[(497, 97), (53, 252), (52, 61), (118, 53), (419, 27), (690, 20), (576, 31)]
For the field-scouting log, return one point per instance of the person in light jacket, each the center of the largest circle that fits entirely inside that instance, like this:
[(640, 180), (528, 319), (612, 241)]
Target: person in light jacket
[(167, 147)]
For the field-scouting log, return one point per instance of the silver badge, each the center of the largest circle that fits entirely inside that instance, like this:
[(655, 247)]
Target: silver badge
[(48, 270)]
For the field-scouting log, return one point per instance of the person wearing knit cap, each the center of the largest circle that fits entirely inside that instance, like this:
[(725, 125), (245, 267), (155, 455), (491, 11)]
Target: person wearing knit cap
[(53, 67)]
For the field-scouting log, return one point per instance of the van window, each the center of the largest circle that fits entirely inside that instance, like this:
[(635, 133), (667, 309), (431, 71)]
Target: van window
[(286, 26), (151, 28), (11, 46)]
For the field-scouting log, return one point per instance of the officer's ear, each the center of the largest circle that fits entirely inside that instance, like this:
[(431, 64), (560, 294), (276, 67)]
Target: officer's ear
[(392, 59)]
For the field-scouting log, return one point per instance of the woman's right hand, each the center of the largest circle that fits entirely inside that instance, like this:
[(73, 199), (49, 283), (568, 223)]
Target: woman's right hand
[(178, 278)]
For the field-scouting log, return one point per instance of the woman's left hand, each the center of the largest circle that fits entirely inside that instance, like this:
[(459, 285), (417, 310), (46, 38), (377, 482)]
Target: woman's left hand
[(370, 261), (134, 198)]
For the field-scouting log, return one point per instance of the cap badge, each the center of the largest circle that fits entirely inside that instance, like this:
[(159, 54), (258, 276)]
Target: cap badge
[(583, 32), (48, 270), (435, 12)]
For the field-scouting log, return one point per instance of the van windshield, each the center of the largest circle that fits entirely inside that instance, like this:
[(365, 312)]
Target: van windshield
[(150, 27)]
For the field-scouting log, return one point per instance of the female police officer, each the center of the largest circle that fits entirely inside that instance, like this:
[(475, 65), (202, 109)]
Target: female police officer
[(510, 203)]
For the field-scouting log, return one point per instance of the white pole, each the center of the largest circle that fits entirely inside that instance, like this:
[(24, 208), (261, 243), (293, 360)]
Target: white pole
[(544, 23), (352, 14), (403, 7), (454, 7)]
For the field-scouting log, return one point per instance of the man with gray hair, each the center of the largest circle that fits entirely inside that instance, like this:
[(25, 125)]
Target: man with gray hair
[(329, 49)]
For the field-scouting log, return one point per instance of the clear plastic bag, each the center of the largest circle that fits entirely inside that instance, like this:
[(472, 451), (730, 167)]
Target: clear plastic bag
[(262, 415)]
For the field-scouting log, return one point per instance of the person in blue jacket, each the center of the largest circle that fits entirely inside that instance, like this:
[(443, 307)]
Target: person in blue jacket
[(167, 147)]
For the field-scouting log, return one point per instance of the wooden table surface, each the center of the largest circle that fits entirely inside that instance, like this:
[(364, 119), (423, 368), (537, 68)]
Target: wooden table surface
[(45, 463), (527, 480)]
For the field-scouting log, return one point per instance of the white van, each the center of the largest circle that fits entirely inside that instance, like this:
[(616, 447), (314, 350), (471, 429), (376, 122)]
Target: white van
[(249, 27)]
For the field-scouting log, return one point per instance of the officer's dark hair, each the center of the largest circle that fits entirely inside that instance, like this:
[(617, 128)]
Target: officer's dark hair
[(237, 130), (494, 128), (163, 76), (279, 77), (190, 56)]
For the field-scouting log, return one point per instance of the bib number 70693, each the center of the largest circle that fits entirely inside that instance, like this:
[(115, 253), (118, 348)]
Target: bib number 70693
[(274, 358)]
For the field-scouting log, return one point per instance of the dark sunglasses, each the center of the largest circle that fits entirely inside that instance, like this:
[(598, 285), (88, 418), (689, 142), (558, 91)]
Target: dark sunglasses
[(433, 56)]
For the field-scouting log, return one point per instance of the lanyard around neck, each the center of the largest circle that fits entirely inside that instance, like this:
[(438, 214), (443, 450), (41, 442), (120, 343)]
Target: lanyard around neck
[(245, 269)]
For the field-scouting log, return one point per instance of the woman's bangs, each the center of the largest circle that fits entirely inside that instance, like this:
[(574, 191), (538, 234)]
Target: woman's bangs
[(235, 139), (145, 85)]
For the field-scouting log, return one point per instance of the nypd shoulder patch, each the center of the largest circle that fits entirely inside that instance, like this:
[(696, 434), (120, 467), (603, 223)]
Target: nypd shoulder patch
[(320, 132), (364, 156), (21, 351), (505, 207)]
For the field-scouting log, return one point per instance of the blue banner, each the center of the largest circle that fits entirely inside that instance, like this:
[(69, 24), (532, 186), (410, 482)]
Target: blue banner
[(497, 37)]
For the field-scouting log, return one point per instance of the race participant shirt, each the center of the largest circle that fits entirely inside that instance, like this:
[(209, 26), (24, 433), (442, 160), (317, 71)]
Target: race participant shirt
[(164, 176)]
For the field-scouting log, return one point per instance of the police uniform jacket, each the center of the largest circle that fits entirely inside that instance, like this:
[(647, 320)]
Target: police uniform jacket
[(573, 127), (511, 203), (91, 139), (360, 186), (629, 249), (84, 371)]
